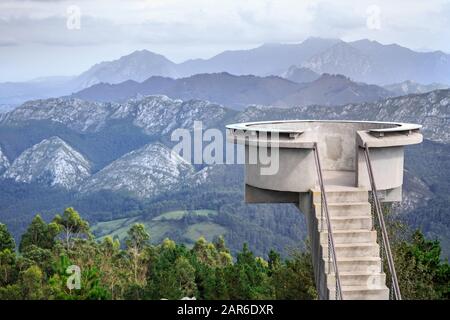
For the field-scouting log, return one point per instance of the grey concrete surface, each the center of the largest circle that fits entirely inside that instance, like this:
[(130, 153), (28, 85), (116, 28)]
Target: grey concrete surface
[(340, 145)]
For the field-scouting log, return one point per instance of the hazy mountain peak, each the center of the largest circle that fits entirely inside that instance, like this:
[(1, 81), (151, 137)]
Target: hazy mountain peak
[(316, 40), (138, 66), (52, 162), (332, 77), (366, 42), (341, 58), (143, 54), (300, 74)]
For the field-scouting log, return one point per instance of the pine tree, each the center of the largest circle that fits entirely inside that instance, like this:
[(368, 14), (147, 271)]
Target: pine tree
[(39, 234), (6, 239), (184, 274)]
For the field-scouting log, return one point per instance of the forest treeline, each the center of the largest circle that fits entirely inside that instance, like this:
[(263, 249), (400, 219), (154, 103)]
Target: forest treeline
[(50, 256)]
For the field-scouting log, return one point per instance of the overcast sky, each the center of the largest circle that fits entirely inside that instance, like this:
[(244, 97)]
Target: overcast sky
[(48, 37)]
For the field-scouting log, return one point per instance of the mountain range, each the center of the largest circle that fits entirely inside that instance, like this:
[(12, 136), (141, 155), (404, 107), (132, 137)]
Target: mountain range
[(240, 91), (332, 90), (362, 61), (114, 160), (29, 149), (411, 87)]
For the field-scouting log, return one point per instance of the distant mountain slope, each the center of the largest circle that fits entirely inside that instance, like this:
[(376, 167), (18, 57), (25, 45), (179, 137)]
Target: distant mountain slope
[(161, 115), (300, 74), (334, 90), (344, 59), (429, 109), (396, 63), (152, 114), (143, 173), (75, 114), (373, 62), (362, 60), (240, 91), (4, 162), (51, 162), (268, 59), (223, 88), (412, 87)]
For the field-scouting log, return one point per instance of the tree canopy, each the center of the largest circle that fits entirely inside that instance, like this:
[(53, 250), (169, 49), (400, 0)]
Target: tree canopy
[(51, 254)]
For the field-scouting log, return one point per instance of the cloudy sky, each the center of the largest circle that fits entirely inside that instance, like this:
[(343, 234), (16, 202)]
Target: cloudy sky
[(57, 37)]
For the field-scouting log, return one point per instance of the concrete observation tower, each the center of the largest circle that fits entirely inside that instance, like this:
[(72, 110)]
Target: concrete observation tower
[(337, 173)]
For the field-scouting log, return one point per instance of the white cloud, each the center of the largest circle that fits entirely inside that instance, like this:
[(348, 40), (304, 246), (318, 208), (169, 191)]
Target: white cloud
[(183, 29)]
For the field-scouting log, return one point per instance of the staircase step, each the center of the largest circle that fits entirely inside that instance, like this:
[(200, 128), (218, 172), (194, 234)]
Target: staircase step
[(370, 279), (345, 209), (346, 223), (350, 236), (361, 293), (354, 264), (341, 194), (353, 250), (357, 250)]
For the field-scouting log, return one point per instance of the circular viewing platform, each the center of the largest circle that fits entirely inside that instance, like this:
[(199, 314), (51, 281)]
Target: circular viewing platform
[(314, 130), (339, 143)]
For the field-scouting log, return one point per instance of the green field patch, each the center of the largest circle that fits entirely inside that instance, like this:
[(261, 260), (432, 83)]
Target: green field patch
[(166, 225), (179, 214), (209, 230), (113, 227)]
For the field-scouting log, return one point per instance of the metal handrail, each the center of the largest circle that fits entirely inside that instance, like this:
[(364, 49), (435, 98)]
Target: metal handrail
[(382, 225), (324, 208)]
